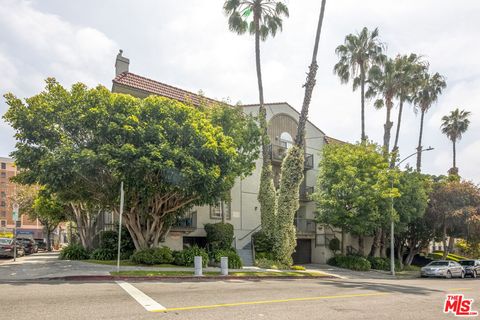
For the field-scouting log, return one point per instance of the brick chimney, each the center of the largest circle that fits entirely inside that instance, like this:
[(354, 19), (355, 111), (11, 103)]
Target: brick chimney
[(121, 64)]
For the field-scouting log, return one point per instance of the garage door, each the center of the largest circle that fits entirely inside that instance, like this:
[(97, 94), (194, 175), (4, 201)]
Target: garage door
[(303, 252)]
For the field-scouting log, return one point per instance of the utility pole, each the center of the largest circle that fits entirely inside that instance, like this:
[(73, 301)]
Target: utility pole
[(120, 225)]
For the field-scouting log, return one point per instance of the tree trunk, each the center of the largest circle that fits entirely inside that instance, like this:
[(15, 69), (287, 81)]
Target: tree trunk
[(383, 247), (454, 155), (342, 246), (362, 93), (451, 243), (375, 243), (87, 220), (419, 148), (387, 127), (310, 83), (361, 245), (223, 212), (444, 240), (49, 242), (397, 133)]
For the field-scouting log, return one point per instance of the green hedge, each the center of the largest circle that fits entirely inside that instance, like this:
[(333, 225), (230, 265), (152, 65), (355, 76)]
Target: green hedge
[(270, 264), (219, 235), (350, 262), (163, 255), (234, 261), (108, 246), (262, 243), (186, 257), (74, 251)]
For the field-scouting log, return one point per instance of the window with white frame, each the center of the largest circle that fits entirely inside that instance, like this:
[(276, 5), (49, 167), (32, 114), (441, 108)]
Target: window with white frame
[(3, 223), (216, 211)]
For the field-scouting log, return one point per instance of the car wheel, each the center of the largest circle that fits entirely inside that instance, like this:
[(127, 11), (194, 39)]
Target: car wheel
[(449, 275), (462, 275), (474, 274)]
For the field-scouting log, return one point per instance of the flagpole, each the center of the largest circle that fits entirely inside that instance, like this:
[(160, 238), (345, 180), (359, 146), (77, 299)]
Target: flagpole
[(120, 225)]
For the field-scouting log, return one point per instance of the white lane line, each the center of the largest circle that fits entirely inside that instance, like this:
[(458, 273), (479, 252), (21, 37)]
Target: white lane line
[(145, 301)]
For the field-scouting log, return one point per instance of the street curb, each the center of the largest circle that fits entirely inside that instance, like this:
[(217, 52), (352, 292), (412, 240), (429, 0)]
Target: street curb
[(99, 278)]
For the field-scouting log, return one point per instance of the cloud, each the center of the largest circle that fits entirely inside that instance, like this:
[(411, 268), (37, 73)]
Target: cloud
[(37, 45), (190, 46)]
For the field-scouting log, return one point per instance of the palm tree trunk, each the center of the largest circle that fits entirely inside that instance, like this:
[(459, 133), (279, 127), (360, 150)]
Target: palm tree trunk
[(397, 135), (387, 127), (419, 148), (262, 112), (310, 84), (362, 88), (454, 154)]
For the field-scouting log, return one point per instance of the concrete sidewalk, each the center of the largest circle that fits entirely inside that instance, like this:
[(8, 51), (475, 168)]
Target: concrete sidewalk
[(47, 265), (349, 274)]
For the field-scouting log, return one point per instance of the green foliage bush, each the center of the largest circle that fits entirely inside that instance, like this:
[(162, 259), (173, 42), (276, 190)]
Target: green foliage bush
[(270, 264), (264, 255), (378, 263), (219, 235), (152, 256), (350, 262), (74, 251), (262, 242), (186, 257), (234, 261), (108, 246)]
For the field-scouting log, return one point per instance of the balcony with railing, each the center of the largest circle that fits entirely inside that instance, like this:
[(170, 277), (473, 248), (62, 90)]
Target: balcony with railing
[(185, 223), (306, 227), (306, 193), (277, 153)]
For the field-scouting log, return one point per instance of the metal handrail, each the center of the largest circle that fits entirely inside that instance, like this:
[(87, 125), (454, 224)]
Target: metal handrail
[(250, 232)]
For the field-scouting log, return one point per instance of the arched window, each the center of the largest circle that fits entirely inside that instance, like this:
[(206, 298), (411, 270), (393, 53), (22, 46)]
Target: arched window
[(286, 140)]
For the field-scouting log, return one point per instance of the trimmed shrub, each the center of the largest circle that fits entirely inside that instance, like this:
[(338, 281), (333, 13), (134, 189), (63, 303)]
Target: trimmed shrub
[(74, 251), (186, 257), (219, 235), (378, 263), (234, 261), (350, 262), (103, 254), (264, 255), (262, 242), (152, 256)]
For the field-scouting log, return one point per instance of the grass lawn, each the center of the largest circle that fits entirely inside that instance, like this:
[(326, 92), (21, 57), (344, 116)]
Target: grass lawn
[(130, 263), (144, 273)]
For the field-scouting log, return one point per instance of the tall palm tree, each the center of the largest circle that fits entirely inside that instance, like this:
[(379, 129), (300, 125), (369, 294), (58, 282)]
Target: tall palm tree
[(409, 71), (357, 54), (383, 82), (430, 88), (265, 21), (454, 126), (293, 168)]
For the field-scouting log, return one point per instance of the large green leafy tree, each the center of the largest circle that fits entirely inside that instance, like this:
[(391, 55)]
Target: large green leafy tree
[(357, 55), (430, 88), (293, 166), (410, 208), (454, 205), (82, 142), (261, 18), (454, 126), (50, 212), (353, 182)]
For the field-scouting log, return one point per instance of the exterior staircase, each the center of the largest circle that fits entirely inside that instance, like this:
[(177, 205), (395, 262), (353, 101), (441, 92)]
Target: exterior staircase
[(246, 254)]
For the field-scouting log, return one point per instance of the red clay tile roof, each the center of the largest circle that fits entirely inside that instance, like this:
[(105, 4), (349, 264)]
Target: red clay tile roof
[(330, 140), (134, 81)]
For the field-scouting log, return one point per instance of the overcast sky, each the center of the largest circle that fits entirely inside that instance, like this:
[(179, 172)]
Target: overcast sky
[(187, 44)]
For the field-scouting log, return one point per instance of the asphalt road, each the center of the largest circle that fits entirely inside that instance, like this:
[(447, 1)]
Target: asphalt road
[(235, 299)]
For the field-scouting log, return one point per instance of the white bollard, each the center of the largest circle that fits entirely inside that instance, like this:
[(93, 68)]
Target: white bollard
[(198, 266), (224, 265)]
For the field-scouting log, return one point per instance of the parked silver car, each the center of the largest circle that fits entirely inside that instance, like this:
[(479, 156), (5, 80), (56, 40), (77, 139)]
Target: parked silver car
[(443, 268), (7, 248)]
